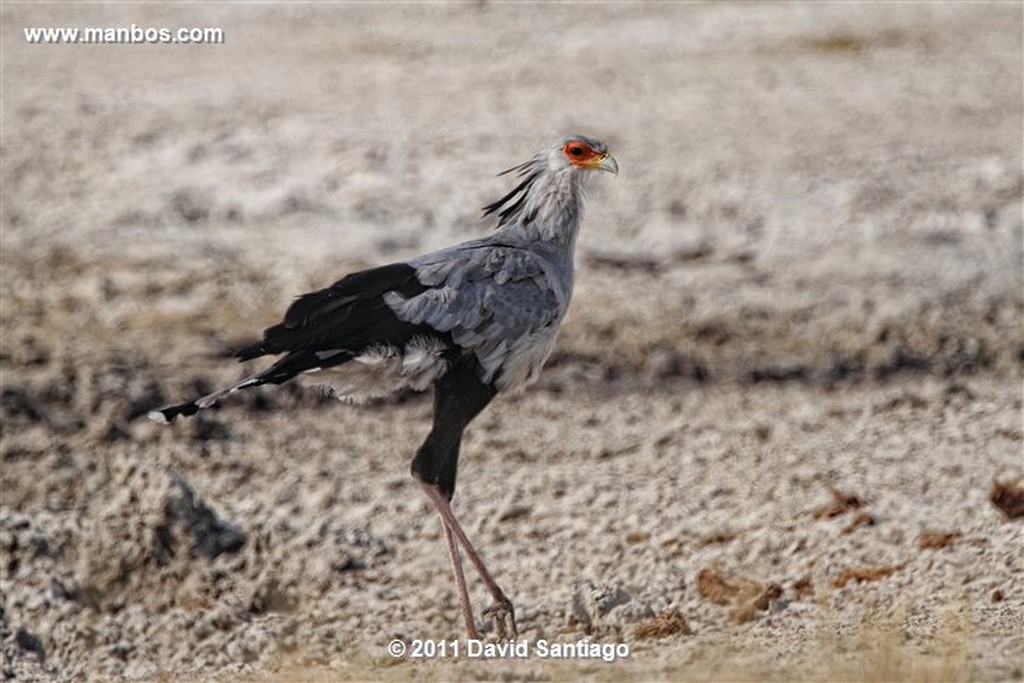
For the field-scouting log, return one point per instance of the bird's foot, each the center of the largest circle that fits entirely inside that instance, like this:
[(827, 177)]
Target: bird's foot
[(504, 616)]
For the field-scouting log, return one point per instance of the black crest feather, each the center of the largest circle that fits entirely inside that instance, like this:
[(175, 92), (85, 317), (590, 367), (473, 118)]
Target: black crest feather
[(509, 206)]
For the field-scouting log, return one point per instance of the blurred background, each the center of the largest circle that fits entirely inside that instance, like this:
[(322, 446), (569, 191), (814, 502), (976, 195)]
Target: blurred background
[(817, 222)]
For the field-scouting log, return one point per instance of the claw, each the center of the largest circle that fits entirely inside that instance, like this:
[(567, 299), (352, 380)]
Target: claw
[(504, 616)]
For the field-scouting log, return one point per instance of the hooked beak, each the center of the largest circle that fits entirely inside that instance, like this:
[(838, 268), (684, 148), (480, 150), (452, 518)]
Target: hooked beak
[(608, 163)]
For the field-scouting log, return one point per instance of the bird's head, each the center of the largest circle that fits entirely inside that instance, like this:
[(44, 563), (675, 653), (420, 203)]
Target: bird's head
[(551, 173), (580, 153)]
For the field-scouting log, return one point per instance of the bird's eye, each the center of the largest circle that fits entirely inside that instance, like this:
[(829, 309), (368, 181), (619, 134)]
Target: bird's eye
[(576, 151)]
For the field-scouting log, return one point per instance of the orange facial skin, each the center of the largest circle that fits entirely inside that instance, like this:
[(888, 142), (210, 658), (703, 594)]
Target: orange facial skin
[(581, 154)]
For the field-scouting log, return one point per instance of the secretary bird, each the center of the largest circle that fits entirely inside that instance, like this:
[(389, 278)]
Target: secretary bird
[(473, 320)]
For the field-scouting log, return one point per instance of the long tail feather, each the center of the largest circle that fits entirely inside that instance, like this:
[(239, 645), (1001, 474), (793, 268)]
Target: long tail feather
[(190, 408)]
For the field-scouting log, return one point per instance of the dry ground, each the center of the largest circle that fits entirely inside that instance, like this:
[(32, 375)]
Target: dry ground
[(765, 448)]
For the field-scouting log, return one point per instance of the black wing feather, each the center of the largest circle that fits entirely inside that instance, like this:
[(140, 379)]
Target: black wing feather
[(349, 315)]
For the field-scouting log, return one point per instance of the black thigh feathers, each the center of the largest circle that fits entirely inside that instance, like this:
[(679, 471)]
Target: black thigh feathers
[(459, 397)]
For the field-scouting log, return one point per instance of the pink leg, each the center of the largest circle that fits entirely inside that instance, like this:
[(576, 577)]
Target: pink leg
[(502, 611), (460, 581)]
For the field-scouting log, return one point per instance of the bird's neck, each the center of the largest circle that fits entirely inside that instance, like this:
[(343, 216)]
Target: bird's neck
[(553, 210)]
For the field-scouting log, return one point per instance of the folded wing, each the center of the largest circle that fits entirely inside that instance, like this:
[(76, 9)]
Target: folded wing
[(494, 300)]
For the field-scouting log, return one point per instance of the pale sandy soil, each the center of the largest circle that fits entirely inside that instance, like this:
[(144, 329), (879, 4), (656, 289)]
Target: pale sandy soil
[(763, 450)]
